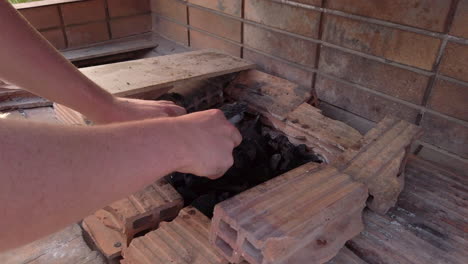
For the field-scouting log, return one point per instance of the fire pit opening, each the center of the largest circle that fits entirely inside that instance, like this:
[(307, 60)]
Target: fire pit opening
[(263, 155)]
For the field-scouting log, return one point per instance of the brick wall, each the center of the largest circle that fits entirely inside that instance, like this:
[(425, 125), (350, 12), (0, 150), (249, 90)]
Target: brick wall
[(363, 58), (78, 23)]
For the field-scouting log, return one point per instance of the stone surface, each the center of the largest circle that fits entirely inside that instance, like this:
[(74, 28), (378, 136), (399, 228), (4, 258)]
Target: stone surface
[(378, 160), (182, 241), (302, 216)]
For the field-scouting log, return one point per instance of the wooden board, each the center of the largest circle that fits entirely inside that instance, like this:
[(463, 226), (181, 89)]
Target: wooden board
[(108, 48), (139, 76)]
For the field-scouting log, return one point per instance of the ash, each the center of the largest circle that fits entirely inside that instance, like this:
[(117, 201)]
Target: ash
[(262, 155)]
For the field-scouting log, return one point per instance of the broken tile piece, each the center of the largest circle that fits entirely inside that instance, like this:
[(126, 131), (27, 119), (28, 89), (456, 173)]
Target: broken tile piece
[(109, 242), (182, 241), (303, 216), (143, 210), (326, 137), (378, 160)]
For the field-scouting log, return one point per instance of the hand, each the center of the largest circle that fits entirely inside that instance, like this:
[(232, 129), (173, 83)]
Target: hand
[(125, 109), (207, 140)]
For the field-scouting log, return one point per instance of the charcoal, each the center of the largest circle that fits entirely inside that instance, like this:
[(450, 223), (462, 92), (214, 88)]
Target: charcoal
[(259, 158)]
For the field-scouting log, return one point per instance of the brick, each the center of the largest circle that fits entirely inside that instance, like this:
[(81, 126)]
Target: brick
[(445, 134), (293, 19), (351, 99), (118, 8), (391, 80), (393, 44), (281, 45), (426, 14), (171, 30), (128, 26), (216, 24), (303, 216), (82, 35), (170, 9), (83, 12), (143, 210), (231, 7), (455, 61), (378, 160), (55, 37), (327, 137), (42, 17), (184, 240), (310, 2), (109, 241), (267, 94), (200, 40), (276, 67), (450, 98), (460, 20)]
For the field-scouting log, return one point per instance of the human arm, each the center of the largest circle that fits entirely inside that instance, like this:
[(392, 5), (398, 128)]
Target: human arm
[(30, 62), (55, 175)]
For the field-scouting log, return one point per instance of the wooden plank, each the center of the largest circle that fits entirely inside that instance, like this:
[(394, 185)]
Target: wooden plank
[(138, 76), (24, 103), (65, 246), (124, 45)]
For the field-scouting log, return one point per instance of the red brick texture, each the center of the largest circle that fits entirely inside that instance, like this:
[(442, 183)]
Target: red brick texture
[(87, 22), (282, 220), (365, 59), (184, 240)]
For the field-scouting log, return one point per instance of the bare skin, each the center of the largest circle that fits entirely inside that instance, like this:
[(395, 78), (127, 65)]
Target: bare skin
[(53, 175)]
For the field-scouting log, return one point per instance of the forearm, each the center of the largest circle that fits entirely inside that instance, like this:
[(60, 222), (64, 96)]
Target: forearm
[(30, 62), (52, 176)]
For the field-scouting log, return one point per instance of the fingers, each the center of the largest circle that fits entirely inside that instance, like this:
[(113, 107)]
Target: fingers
[(175, 110), (236, 136)]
